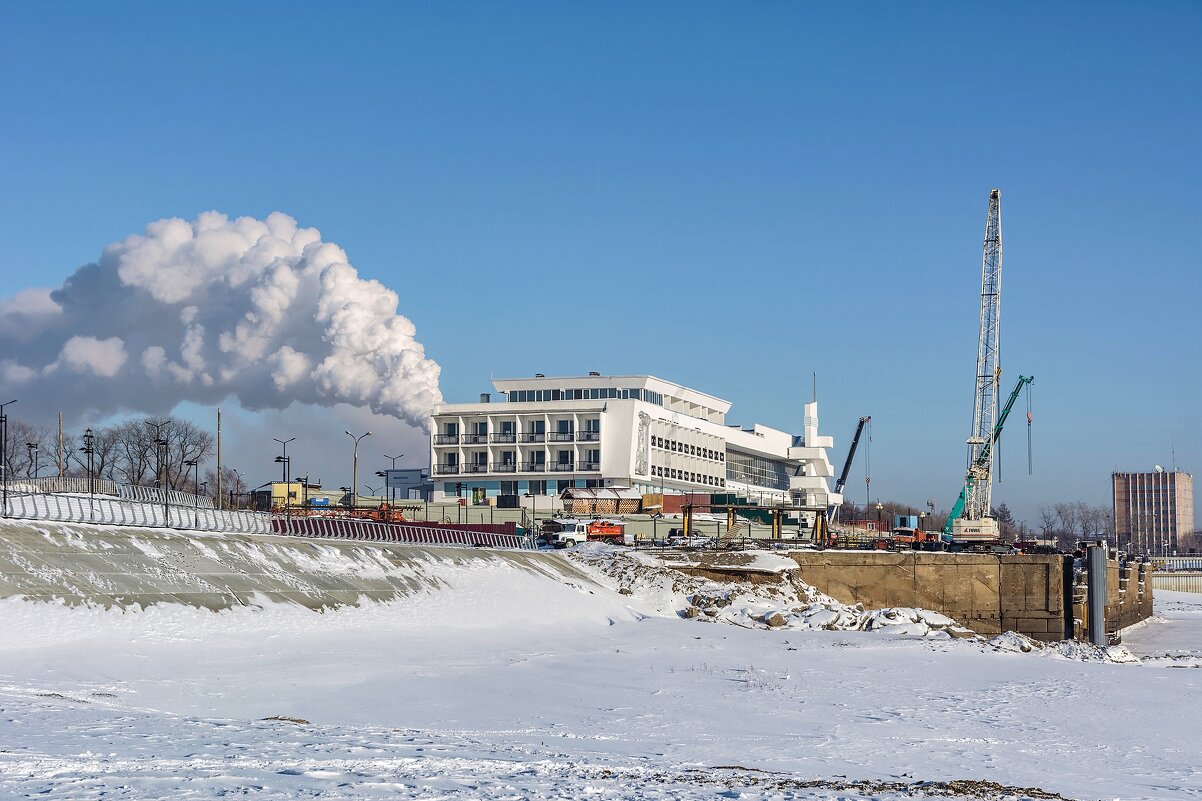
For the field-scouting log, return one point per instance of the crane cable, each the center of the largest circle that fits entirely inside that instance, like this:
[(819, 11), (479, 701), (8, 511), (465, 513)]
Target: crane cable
[(868, 472), (1030, 466)]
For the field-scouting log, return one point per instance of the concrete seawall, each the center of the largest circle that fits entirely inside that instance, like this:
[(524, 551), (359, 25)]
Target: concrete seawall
[(111, 566)]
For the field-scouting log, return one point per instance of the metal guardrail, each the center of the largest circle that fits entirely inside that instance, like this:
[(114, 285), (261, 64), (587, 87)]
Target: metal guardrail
[(1177, 582), (102, 486), (125, 512), (412, 533), (1177, 562), (108, 510)]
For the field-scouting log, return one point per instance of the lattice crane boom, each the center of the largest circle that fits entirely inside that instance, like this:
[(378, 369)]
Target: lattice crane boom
[(975, 522)]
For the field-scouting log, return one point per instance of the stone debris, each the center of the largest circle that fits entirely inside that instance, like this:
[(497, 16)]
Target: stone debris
[(789, 604)]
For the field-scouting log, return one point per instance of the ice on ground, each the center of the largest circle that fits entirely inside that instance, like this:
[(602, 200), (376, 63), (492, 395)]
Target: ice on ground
[(494, 683)]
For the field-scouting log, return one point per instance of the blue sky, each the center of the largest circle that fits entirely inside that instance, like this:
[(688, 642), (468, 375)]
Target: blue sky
[(726, 195)]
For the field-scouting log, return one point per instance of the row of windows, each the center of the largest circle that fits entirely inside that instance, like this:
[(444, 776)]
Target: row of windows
[(563, 426), (593, 393), (687, 449), (534, 487), (686, 475)]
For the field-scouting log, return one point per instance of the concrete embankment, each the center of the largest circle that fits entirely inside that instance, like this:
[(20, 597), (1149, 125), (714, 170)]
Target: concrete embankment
[(122, 567)]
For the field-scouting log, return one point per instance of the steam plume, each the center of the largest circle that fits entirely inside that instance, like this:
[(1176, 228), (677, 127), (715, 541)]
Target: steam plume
[(262, 310)]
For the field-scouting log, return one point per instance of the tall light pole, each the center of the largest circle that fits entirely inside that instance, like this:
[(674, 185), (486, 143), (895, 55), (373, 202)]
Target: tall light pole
[(32, 448), (387, 483), (355, 469), (161, 453), (284, 461), (4, 452), (195, 465), (89, 440)]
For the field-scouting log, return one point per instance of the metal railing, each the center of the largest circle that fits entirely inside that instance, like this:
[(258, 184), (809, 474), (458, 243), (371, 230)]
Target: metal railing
[(504, 437), (475, 467), (446, 469), (446, 439), (588, 436), (562, 436), (109, 510), (562, 467), (534, 467), (504, 467), (102, 486), (475, 439), (412, 533), (124, 512), (1177, 562), (535, 437)]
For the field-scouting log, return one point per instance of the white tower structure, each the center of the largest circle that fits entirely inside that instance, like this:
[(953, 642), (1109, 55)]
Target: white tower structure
[(975, 523)]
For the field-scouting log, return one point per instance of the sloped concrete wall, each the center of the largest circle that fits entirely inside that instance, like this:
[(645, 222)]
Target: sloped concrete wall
[(120, 566), (987, 593)]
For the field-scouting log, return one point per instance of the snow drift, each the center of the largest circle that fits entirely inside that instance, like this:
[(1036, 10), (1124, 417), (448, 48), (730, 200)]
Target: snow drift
[(262, 310)]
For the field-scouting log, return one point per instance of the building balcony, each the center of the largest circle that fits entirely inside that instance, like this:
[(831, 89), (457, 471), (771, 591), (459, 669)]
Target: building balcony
[(532, 437), (588, 436), (504, 467), (588, 467), (446, 469), (475, 467), (534, 467), (562, 467), (446, 439), (562, 436), (504, 437), (475, 439)]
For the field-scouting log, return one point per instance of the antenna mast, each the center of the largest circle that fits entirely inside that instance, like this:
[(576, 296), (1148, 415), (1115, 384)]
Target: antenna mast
[(979, 483)]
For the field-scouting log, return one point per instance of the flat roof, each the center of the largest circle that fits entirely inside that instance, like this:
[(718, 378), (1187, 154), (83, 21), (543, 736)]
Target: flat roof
[(653, 383)]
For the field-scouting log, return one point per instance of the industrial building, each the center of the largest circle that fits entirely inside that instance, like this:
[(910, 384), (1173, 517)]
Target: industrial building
[(1152, 511), (541, 436)]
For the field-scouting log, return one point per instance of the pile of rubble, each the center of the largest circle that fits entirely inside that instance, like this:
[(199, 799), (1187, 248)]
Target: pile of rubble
[(775, 598)]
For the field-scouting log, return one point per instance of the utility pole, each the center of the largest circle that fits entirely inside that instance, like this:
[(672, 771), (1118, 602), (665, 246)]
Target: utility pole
[(218, 458)]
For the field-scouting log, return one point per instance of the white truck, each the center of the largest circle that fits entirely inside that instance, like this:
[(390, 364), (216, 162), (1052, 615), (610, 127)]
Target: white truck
[(565, 532)]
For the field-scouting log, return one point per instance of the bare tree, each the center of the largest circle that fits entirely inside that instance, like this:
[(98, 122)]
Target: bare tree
[(18, 459), (1047, 523)]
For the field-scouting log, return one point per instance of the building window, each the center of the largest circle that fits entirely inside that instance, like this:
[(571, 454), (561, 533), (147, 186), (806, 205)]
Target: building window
[(509, 488), (451, 429), (538, 487)]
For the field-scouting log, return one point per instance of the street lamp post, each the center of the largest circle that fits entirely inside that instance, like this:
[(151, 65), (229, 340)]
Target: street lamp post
[(161, 455), (283, 461), (355, 469), (392, 490), (32, 448), (195, 465), (89, 440), (533, 514), (4, 452), (879, 508)]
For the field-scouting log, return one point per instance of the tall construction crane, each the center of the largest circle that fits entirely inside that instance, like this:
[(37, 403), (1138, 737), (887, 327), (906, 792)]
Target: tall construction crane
[(986, 454), (851, 453), (974, 524)]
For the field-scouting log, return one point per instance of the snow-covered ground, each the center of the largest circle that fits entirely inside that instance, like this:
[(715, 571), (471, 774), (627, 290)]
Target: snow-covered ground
[(499, 683)]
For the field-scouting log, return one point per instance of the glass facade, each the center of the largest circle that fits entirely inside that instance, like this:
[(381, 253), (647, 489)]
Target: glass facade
[(756, 470), (593, 393)]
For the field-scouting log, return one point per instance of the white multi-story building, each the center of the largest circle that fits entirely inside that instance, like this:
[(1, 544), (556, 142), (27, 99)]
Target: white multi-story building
[(544, 435)]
